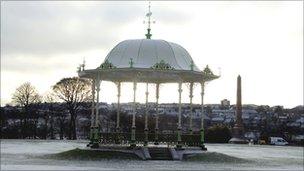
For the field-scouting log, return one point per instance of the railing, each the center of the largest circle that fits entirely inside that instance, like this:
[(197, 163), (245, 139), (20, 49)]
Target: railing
[(124, 138)]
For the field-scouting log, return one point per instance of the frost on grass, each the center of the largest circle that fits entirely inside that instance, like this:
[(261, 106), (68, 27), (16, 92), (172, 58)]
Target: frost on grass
[(80, 154), (215, 157)]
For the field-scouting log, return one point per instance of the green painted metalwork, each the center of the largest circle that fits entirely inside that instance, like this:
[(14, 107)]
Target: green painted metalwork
[(156, 137), (148, 35), (96, 134), (191, 65), (131, 62), (133, 143), (179, 138), (186, 139), (162, 65), (202, 140), (91, 134), (208, 74), (107, 65), (146, 137), (95, 139)]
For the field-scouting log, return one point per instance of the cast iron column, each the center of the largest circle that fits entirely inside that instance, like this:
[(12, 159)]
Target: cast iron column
[(146, 116), (117, 137), (96, 132), (92, 129), (202, 117), (179, 127), (118, 107), (156, 115), (133, 144), (191, 108)]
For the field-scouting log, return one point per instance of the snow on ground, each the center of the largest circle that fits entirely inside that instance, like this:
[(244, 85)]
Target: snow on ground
[(29, 155)]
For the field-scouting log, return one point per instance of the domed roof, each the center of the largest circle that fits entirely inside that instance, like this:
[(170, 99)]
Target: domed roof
[(148, 53)]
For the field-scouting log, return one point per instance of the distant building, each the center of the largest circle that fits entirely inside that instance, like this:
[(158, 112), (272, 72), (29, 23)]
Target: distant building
[(225, 104)]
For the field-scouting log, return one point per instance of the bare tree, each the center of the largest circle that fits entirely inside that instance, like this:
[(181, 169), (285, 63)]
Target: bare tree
[(48, 115), (73, 91), (24, 96), (61, 120)]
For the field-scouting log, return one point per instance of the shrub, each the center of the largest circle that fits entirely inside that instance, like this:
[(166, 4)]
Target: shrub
[(218, 134)]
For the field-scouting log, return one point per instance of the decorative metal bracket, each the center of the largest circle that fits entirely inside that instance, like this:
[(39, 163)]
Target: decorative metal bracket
[(162, 65), (208, 74), (107, 65), (207, 71)]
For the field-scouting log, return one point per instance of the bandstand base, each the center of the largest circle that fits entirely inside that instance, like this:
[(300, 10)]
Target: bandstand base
[(159, 152)]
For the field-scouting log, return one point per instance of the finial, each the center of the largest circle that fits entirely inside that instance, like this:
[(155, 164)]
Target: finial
[(79, 68), (83, 64), (131, 62), (148, 15), (191, 65)]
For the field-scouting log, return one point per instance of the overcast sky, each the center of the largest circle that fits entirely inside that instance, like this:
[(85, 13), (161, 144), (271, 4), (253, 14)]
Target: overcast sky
[(42, 42)]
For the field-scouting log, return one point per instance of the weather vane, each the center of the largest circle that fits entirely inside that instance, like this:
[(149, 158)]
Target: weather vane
[(148, 15)]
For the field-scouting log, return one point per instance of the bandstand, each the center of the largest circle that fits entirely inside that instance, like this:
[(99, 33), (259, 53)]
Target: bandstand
[(148, 61)]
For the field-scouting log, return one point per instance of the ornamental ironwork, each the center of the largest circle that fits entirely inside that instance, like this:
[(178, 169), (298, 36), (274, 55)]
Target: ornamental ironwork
[(107, 65), (208, 74), (162, 65)]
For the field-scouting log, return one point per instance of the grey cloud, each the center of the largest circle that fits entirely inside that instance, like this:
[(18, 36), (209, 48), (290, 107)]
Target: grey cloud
[(172, 16), (45, 29), (35, 65)]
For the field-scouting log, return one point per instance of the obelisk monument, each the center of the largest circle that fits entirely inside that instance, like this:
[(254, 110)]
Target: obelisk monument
[(238, 129)]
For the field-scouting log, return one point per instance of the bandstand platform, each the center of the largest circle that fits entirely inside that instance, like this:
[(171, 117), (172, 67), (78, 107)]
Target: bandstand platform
[(166, 149), (151, 152)]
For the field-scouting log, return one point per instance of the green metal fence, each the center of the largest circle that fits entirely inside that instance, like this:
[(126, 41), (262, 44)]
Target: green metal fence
[(125, 138)]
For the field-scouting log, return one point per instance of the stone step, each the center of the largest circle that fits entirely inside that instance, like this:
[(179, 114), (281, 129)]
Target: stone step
[(158, 153)]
